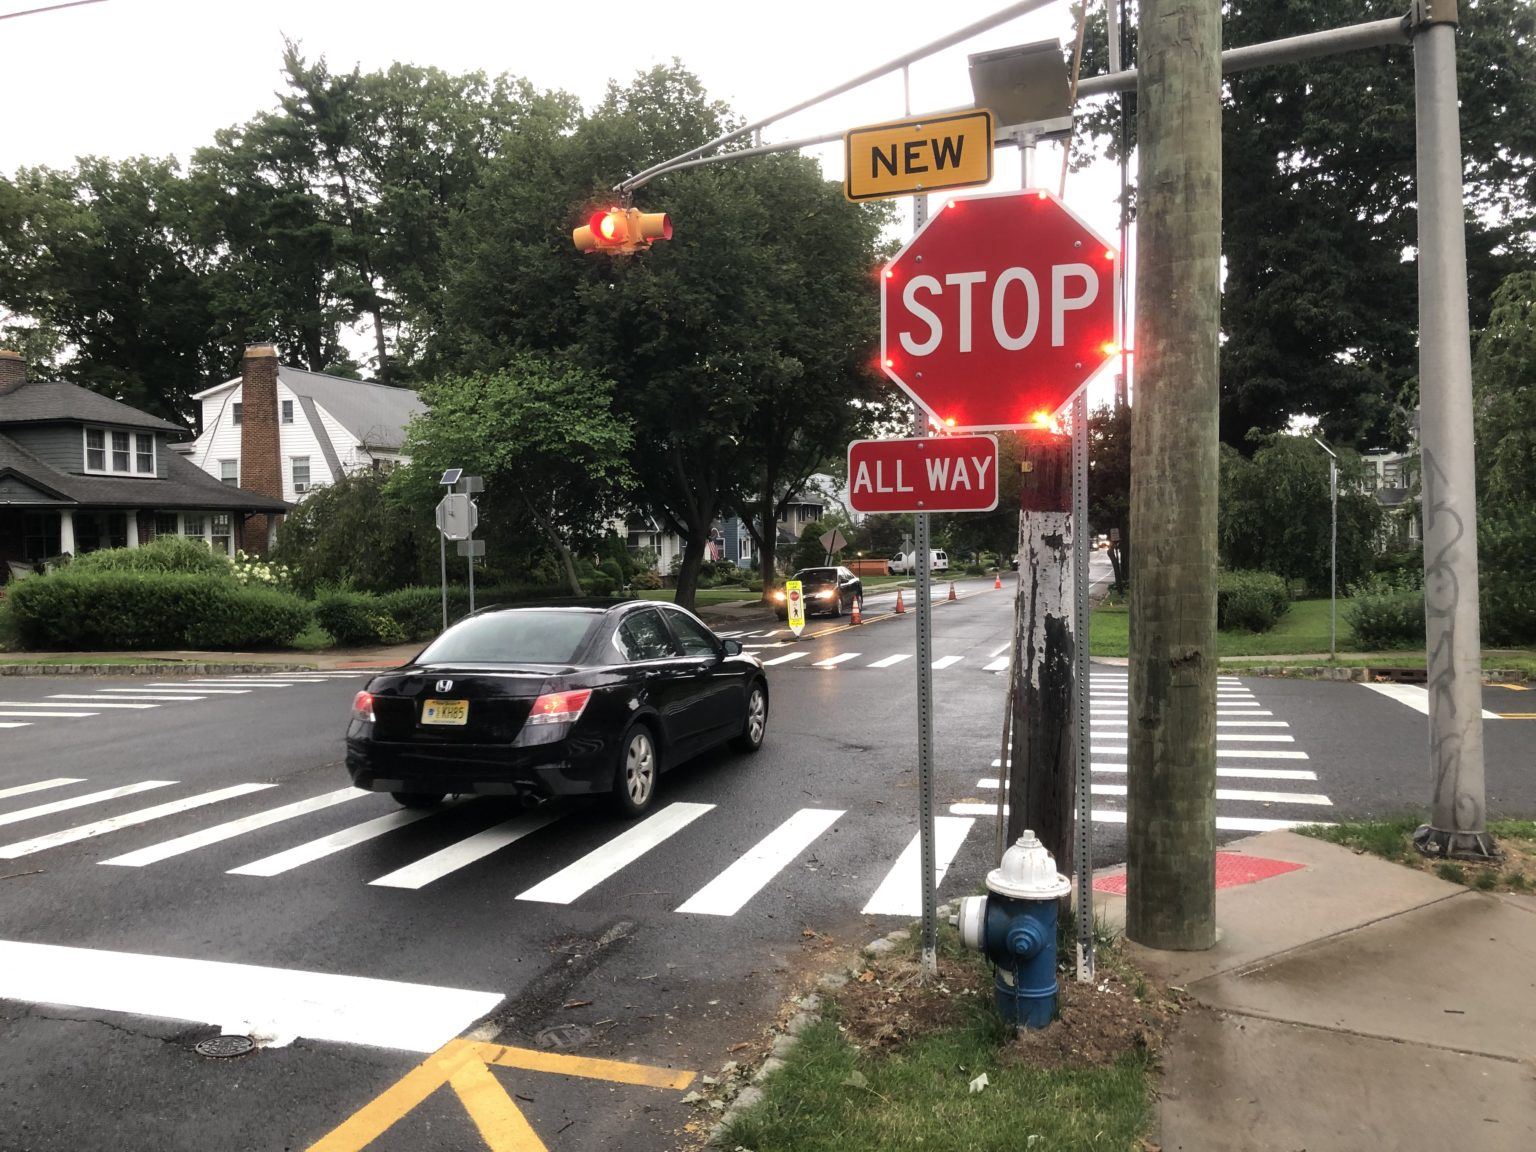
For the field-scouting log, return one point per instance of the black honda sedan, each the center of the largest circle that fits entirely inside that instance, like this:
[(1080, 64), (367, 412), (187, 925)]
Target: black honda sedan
[(833, 590), (555, 701)]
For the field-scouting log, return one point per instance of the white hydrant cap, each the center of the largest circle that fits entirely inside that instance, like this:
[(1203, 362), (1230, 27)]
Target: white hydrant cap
[(1028, 872)]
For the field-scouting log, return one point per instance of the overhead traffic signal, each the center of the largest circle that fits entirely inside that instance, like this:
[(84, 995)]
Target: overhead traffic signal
[(622, 230)]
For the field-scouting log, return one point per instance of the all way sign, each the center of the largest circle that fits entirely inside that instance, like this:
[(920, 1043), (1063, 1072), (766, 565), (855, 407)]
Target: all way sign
[(937, 474)]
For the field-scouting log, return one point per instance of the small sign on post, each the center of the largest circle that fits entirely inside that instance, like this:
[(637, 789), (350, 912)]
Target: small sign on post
[(923, 154), (935, 474), (833, 540), (457, 516), (794, 602)]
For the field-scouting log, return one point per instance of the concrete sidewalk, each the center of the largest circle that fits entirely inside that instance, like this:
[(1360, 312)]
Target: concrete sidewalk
[(1350, 1004)]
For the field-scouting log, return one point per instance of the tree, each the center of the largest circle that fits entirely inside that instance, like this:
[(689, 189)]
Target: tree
[(1109, 485), (1504, 383), (542, 433), (360, 532), (996, 531), (808, 552), (1171, 804)]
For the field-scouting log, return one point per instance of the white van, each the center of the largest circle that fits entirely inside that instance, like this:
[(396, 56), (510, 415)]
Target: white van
[(905, 563)]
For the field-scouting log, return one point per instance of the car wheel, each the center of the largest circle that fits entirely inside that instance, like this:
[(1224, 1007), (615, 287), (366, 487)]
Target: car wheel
[(418, 799), (634, 779), (837, 608), (755, 726)]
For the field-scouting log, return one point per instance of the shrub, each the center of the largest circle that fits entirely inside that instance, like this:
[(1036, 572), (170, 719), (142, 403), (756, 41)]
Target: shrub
[(418, 612), (1387, 611), (261, 572), (1506, 542), (646, 579), (1251, 600), (163, 554), (80, 609), (348, 617), (599, 584)]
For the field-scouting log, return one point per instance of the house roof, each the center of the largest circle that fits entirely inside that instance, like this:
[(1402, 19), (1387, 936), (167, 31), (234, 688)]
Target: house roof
[(186, 486), (46, 402), (374, 413)]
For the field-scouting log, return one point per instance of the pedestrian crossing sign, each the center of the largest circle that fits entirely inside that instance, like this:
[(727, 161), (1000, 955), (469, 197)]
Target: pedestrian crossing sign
[(794, 597)]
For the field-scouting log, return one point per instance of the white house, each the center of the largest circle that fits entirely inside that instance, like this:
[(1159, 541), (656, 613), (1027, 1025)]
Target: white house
[(324, 426)]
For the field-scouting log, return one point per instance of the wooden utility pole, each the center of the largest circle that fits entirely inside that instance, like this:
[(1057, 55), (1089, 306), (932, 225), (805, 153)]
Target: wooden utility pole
[(1171, 809), (1040, 767)]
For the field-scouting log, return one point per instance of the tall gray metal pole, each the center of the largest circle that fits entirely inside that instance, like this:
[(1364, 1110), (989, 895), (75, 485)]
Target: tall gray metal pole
[(1457, 824), (1333, 560), (442, 555)]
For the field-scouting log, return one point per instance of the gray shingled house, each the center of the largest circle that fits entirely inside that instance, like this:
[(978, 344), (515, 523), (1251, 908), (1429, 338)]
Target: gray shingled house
[(80, 471)]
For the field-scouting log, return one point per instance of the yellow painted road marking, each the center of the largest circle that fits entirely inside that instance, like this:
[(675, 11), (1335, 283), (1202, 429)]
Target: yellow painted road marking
[(1511, 687), (1517, 715), (464, 1066)]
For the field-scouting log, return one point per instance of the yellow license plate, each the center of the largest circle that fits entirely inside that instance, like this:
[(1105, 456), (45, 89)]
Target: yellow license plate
[(445, 712)]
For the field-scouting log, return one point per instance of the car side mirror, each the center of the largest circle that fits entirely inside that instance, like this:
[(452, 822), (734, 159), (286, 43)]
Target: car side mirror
[(732, 647)]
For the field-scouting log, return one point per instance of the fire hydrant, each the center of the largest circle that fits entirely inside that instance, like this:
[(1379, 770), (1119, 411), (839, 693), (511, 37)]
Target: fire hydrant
[(1015, 926)]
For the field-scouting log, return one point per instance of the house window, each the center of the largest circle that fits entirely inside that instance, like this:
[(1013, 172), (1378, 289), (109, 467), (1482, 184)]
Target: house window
[(236, 410), (287, 411), (95, 530), (301, 473), (40, 536), (229, 472), (95, 450), (113, 452), (223, 533), (194, 522), (144, 453), (165, 524), (120, 452)]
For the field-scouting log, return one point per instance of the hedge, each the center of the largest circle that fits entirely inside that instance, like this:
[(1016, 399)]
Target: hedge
[(163, 554), (77, 608), (1251, 600), (359, 619), (1387, 611)]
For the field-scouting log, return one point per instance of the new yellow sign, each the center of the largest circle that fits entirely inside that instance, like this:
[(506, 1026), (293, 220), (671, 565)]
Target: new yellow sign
[(794, 602), (919, 155)]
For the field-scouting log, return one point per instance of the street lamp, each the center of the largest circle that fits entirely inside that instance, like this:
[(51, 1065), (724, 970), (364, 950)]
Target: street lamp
[(1333, 549)]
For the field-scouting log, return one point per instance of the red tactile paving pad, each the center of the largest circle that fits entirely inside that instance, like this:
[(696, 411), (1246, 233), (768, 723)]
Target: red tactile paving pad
[(1232, 869)]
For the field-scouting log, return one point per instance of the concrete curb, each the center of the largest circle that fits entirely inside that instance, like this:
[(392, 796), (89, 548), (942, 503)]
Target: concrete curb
[(1330, 672), (147, 669)]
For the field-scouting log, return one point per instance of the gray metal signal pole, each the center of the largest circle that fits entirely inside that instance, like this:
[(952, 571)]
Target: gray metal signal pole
[(1333, 549)]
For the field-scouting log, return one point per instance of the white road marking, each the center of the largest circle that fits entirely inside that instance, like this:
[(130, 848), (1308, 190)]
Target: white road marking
[(889, 660), (785, 659), (834, 661), (901, 892), (1112, 732), (1235, 753), (228, 831), (39, 786), (1416, 696), (95, 704), (1223, 823), (946, 661), (607, 860), (1253, 724), (275, 1003), (728, 892), (16, 724), (126, 820), (200, 684), (1233, 773), (1236, 794), (123, 694), (43, 712), (81, 801), (996, 666), (201, 690), (1000, 649), (311, 850), (450, 859), (1110, 710)]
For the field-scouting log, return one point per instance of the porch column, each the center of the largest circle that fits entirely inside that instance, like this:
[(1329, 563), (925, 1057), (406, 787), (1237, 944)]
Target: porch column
[(67, 531), (133, 527)]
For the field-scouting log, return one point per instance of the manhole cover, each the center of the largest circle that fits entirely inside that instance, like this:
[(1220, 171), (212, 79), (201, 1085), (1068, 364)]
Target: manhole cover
[(563, 1036), (222, 1046)]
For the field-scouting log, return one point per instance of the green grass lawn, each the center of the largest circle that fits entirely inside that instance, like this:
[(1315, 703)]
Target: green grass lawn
[(1302, 629)]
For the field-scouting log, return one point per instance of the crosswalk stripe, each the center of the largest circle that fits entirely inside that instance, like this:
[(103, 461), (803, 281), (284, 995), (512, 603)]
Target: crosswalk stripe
[(126, 820), (887, 661), (1416, 697), (43, 713), (729, 892), (95, 704), (901, 892), (125, 694), (1243, 794), (81, 801), (16, 724), (39, 786), (1236, 753), (1119, 732), (228, 831), (946, 661), (1223, 823), (996, 666), (1107, 710), (999, 650), (420, 873), (248, 683), (785, 659), (219, 689), (624, 849), (834, 661), (1223, 773), (318, 849)]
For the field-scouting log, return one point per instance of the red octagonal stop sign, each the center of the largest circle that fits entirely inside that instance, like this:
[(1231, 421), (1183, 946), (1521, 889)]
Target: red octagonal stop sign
[(998, 310)]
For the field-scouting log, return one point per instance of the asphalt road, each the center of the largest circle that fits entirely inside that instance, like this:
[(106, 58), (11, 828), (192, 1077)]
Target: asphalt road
[(215, 876)]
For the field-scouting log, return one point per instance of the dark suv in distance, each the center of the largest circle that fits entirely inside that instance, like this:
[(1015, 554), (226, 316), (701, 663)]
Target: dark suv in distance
[(831, 590)]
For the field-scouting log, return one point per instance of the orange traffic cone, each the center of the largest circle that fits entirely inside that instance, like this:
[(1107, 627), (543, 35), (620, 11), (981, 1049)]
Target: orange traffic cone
[(900, 607), (952, 595), (857, 617), (997, 581)]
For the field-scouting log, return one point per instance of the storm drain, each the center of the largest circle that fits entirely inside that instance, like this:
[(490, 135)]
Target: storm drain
[(563, 1036), (221, 1047)]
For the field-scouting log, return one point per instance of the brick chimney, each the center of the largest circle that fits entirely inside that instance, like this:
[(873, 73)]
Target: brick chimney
[(261, 462), (13, 371)]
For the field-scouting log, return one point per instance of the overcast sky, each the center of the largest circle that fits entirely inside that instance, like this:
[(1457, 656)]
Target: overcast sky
[(159, 77)]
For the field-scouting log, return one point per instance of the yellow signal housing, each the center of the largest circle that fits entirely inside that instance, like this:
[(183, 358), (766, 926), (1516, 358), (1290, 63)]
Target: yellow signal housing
[(622, 230)]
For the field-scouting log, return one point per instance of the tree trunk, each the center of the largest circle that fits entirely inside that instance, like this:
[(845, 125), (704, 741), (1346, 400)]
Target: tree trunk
[(768, 542), (567, 561), (378, 340), (1171, 806), (688, 571), (1041, 765)]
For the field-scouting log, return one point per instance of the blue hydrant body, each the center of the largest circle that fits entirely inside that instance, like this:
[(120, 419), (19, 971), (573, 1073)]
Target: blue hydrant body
[(1014, 925)]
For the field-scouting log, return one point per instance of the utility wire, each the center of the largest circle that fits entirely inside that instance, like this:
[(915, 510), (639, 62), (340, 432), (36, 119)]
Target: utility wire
[(49, 8)]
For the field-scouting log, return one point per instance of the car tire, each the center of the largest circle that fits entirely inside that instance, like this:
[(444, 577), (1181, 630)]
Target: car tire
[(754, 725), (637, 772), (418, 799), (837, 607)]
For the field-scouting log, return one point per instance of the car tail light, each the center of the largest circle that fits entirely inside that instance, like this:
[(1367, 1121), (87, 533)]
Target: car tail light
[(559, 707), (362, 706)]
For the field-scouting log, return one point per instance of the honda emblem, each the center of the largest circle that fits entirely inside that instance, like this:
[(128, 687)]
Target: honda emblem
[(445, 685)]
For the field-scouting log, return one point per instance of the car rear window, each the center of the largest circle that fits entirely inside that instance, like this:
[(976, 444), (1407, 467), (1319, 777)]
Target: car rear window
[(519, 637)]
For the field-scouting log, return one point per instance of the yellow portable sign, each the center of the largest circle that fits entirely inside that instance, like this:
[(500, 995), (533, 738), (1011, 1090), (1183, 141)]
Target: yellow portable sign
[(924, 154), (465, 1066), (794, 600)]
